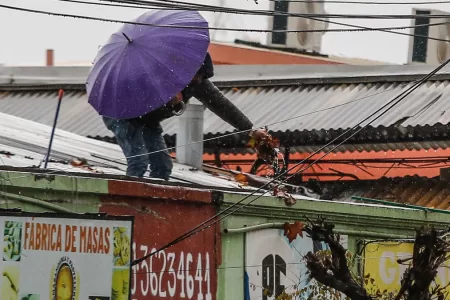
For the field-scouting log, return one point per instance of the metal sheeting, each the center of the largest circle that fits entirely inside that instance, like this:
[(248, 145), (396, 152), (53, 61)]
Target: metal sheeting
[(76, 115), (413, 190), (242, 75), (23, 143), (427, 106)]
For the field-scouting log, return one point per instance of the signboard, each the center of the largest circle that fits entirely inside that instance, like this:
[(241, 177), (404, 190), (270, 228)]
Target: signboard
[(380, 261), (64, 257), (185, 271), (274, 265)]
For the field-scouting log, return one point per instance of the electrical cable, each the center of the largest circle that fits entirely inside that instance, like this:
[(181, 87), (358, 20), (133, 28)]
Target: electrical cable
[(193, 232), (363, 2), (211, 28), (310, 18), (243, 131), (114, 4), (218, 9), (204, 225), (231, 10), (287, 31), (4, 6), (110, 4)]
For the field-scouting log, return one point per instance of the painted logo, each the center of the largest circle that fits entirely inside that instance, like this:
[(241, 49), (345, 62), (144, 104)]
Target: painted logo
[(65, 280)]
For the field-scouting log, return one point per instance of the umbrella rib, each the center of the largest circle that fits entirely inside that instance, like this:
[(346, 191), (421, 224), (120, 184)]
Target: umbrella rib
[(164, 65), (143, 62), (122, 55)]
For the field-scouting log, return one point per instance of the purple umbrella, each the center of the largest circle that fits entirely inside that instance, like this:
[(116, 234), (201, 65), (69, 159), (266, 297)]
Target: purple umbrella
[(142, 67)]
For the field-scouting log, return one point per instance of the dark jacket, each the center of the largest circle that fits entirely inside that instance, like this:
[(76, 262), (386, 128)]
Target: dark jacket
[(209, 95)]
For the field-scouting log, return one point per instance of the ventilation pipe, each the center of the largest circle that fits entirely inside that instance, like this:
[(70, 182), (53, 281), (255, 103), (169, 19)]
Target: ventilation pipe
[(189, 150)]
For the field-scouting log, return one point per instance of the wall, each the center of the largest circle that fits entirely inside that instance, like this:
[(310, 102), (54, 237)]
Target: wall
[(380, 262), (188, 270), (247, 252), (223, 54), (163, 213)]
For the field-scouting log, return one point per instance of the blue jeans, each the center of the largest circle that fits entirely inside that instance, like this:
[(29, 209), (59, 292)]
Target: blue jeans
[(137, 141)]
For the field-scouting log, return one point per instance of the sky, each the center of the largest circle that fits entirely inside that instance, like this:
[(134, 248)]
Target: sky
[(25, 36)]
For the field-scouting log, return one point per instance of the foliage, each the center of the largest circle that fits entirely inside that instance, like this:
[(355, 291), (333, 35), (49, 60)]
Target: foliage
[(333, 278)]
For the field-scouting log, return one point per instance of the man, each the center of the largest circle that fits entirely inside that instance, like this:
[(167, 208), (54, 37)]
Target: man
[(140, 137)]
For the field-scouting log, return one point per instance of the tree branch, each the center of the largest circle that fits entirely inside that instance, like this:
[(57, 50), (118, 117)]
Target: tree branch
[(335, 272), (430, 252)]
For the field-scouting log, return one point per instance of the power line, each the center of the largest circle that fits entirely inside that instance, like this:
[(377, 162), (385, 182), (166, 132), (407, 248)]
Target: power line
[(109, 4), (232, 10), (400, 241), (213, 28), (363, 2), (301, 1), (221, 9), (206, 224), (245, 131), (137, 6), (70, 15)]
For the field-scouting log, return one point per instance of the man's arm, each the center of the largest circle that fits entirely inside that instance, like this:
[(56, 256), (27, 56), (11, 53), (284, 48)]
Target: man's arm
[(207, 93)]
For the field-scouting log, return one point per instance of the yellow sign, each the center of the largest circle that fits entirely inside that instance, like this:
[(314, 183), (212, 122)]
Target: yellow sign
[(383, 270)]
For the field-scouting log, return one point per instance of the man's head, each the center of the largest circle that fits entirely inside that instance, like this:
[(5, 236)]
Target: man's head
[(206, 70)]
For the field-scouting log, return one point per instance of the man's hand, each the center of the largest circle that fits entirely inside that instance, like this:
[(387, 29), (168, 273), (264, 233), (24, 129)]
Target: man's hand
[(264, 144), (259, 134), (177, 99)]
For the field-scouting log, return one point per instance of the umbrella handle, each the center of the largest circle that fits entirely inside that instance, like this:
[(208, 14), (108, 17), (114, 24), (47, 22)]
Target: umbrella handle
[(181, 111)]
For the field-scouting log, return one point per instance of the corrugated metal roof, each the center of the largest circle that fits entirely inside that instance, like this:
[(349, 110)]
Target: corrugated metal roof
[(239, 75), (23, 143), (429, 192), (427, 106), (305, 105)]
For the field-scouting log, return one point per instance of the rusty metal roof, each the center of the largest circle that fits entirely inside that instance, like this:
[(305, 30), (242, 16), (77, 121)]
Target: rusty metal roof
[(429, 192), (304, 109)]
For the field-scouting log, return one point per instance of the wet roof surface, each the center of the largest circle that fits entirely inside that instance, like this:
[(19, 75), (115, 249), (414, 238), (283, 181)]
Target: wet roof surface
[(305, 105), (23, 143)]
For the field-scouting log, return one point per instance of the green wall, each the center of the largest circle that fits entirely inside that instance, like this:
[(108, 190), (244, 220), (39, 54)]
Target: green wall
[(65, 193), (37, 193), (355, 221)]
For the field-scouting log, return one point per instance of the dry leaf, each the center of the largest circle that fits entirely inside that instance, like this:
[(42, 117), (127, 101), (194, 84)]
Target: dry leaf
[(292, 230), (251, 143), (82, 164), (289, 200), (267, 292), (264, 144), (279, 191), (242, 179), (78, 162)]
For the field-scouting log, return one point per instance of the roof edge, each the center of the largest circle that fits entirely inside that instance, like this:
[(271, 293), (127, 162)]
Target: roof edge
[(100, 184), (234, 75), (359, 213)]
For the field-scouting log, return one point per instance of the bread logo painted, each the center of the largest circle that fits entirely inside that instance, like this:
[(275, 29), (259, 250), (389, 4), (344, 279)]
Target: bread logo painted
[(65, 282)]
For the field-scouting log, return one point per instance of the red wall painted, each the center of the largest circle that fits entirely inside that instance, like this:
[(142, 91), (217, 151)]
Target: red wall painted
[(187, 270)]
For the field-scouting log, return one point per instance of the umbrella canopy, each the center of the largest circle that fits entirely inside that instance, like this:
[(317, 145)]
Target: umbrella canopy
[(142, 67)]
